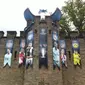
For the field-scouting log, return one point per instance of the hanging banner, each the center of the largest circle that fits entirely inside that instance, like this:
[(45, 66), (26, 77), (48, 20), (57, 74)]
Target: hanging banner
[(43, 60), (22, 53), (55, 50), (29, 49), (9, 44), (54, 37), (62, 44), (63, 53), (22, 43), (76, 53), (75, 46), (30, 37)]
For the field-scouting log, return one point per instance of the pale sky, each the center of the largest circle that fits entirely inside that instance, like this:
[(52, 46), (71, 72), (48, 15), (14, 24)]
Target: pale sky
[(11, 12)]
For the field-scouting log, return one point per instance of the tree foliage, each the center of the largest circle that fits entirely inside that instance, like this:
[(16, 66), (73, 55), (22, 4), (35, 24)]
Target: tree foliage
[(74, 11)]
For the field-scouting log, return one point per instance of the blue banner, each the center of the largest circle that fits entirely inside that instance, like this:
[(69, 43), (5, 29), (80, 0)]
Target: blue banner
[(9, 44), (29, 49), (55, 49), (55, 36), (63, 53), (30, 37), (75, 45), (43, 60), (22, 44), (62, 44)]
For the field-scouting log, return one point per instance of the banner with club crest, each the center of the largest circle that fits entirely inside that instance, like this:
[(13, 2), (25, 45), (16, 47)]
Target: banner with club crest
[(75, 46)]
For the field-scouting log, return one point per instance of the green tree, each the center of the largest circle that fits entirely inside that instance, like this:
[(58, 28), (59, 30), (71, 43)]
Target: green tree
[(74, 10), (64, 24), (83, 27)]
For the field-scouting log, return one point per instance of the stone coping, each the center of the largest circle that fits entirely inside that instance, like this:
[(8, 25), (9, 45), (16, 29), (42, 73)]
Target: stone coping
[(11, 33), (74, 34), (1, 34)]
